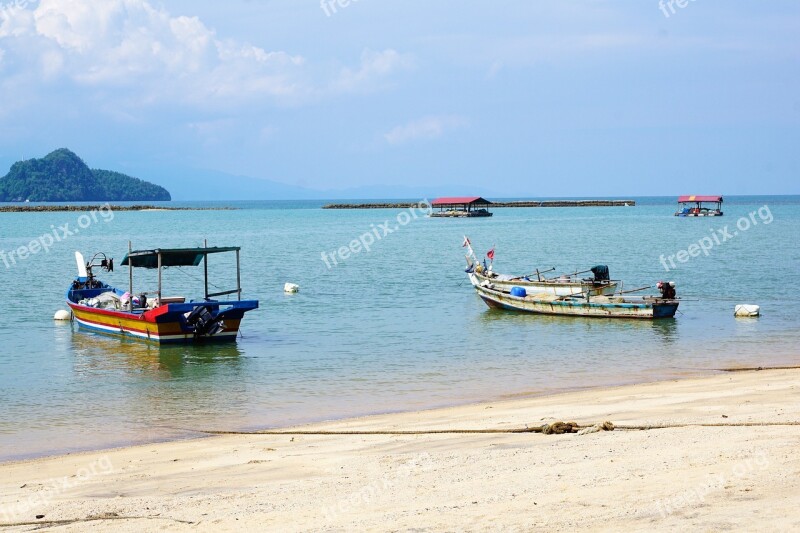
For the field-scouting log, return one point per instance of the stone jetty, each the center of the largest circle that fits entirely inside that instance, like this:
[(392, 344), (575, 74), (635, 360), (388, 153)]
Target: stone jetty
[(522, 203)]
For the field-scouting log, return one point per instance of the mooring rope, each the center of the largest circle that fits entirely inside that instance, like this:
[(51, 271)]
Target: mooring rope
[(554, 428), (537, 429), (68, 521), (757, 368)]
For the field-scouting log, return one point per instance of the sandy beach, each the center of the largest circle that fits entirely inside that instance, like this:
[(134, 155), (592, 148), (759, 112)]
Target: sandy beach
[(732, 474)]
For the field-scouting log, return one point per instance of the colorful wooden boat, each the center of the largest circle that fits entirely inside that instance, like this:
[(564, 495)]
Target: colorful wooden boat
[(694, 206), (151, 317), (586, 306)]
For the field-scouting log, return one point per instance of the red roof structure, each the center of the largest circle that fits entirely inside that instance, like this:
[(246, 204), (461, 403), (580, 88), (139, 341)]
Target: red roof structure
[(461, 206), (460, 200), (685, 199)]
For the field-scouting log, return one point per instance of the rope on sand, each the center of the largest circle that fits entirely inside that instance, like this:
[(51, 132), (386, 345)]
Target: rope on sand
[(710, 425), (98, 518), (553, 428), (758, 368)]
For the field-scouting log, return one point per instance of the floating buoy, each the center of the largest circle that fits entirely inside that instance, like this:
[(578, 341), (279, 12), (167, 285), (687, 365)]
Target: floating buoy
[(745, 310), (291, 288), (62, 315)]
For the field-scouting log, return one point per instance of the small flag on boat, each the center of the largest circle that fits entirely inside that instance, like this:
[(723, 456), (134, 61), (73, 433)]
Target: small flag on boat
[(466, 242), (490, 254)]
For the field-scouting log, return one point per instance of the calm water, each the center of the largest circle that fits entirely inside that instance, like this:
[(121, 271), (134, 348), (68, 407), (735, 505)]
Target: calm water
[(393, 329)]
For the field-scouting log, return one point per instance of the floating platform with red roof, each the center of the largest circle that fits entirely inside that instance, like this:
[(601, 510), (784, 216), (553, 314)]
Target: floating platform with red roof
[(461, 206), (693, 206)]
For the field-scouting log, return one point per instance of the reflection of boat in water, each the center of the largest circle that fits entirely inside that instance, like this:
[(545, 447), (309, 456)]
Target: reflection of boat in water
[(646, 307), (563, 285), (152, 317), (130, 356)]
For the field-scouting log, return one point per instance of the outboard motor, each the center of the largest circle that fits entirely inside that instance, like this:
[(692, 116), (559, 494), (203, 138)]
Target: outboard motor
[(203, 322), (667, 289), (600, 273)]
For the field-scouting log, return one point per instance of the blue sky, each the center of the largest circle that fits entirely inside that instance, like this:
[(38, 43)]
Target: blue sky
[(509, 98)]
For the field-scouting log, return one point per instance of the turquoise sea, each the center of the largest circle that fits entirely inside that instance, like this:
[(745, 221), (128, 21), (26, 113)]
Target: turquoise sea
[(394, 328)]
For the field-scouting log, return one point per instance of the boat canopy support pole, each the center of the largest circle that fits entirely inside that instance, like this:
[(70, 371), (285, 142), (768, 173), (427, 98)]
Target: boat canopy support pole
[(238, 277), (130, 271), (205, 267), (159, 276)]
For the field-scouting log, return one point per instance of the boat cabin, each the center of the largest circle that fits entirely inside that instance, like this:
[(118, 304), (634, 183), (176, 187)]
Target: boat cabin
[(699, 206), (181, 257)]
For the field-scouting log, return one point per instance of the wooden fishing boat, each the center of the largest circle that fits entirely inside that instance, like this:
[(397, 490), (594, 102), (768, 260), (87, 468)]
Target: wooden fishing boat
[(151, 317), (517, 299), (565, 285), (535, 283)]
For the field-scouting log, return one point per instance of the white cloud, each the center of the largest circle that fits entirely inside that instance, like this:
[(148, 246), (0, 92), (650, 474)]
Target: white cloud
[(424, 128), (374, 67), (134, 54), (119, 43)]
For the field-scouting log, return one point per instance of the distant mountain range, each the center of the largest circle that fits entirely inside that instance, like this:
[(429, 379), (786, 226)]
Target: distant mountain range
[(62, 176), (203, 184)]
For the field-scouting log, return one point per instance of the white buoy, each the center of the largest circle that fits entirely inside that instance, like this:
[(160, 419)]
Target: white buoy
[(291, 288), (62, 315), (746, 310)]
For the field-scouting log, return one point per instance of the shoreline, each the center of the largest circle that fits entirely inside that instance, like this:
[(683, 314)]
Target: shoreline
[(452, 480), (182, 434), (106, 206)]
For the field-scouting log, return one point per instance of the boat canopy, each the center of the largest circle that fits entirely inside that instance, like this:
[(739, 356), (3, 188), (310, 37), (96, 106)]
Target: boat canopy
[(687, 199), (171, 257)]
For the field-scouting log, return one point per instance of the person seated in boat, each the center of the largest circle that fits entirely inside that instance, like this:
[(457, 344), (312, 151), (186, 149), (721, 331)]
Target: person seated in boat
[(667, 289)]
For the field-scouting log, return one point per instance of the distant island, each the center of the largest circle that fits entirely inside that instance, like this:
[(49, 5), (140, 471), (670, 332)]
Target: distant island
[(108, 207), (62, 176)]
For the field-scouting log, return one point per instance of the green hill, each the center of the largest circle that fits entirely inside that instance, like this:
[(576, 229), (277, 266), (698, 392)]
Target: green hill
[(62, 176)]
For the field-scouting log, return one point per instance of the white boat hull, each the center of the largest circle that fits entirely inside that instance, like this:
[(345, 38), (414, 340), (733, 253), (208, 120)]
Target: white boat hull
[(554, 287)]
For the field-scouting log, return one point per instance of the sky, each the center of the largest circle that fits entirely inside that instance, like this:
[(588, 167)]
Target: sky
[(249, 99)]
